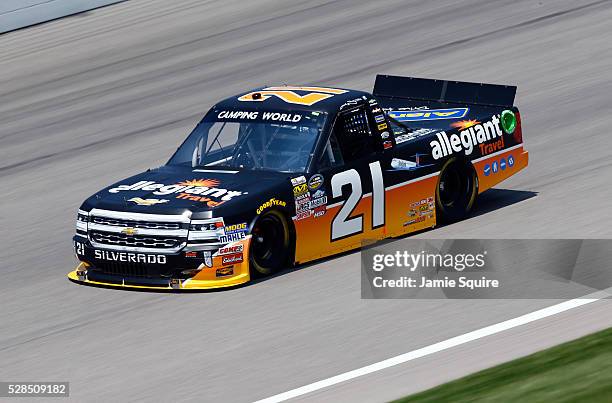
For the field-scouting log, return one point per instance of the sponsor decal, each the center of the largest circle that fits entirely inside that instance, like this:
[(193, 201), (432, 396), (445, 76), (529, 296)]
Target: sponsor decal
[(387, 144), (232, 259), (422, 201), (498, 165), (379, 118), (302, 197), (408, 165), (233, 237), (428, 114), (492, 147), (271, 203), (203, 190), (445, 145), (402, 164), (288, 94), (281, 117), (318, 202), (487, 170), (129, 257), (269, 116), (376, 110), (319, 211), (414, 221), (351, 102), (302, 205), (298, 181), (382, 126), (209, 202), (384, 135), (315, 182), (318, 193), (300, 189), (407, 108), (413, 135), (420, 211), (238, 115), (147, 202), (191, 254), (303, 214), (372, 101), (229, 229), (224, 271), (229, 250)]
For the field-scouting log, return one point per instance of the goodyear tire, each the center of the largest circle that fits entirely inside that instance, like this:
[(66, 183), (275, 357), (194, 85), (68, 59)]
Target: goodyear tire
[(456, 191), (270, 244)]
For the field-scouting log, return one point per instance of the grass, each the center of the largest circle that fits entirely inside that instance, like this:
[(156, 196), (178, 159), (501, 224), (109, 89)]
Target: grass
[(578, 371)]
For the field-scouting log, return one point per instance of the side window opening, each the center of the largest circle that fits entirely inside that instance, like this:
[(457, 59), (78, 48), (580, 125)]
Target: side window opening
[(354, 134)]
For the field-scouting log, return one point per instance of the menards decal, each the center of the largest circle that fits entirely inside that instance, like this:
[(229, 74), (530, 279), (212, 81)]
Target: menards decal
[(288, 94), (475, 135), (203, 190)]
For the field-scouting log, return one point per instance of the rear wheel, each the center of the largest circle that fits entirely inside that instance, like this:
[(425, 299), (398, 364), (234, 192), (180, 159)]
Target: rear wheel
[(270, 243), (456, 191)]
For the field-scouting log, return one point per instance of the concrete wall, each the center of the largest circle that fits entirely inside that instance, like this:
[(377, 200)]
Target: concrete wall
[(16, 14)]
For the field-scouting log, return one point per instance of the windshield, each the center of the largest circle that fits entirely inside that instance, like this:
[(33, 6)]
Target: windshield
[(256, 140)]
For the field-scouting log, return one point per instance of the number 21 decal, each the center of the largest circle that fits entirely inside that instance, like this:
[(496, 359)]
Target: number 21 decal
[(343, 225)]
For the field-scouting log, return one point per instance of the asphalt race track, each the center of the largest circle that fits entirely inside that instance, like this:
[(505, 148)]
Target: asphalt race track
[(93, 98)]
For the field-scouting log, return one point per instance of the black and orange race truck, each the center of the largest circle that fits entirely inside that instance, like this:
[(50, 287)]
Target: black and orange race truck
[(279, 176)]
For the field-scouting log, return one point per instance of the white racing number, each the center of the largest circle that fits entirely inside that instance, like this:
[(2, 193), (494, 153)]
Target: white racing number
[(343, 225)]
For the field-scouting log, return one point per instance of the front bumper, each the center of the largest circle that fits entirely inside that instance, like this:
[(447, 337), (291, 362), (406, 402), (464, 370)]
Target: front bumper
[(225, 270)]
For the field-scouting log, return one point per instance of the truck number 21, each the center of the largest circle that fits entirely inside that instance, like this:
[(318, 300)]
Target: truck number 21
[(343, 224)]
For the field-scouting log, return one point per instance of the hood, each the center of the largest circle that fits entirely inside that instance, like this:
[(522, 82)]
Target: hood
[(174, 190)]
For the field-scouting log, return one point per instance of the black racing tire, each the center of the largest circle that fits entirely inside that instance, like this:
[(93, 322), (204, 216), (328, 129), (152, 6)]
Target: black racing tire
[(456, 190), (270, 244)]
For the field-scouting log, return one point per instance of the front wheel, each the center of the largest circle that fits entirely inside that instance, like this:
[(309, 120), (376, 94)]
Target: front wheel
[(270, 243), (456, 191)]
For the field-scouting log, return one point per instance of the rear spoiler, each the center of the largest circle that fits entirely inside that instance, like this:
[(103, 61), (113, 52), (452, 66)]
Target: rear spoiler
[(425, 89)]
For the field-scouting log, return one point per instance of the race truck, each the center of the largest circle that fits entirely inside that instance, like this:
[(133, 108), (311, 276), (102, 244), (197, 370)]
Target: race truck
[(280, 176)]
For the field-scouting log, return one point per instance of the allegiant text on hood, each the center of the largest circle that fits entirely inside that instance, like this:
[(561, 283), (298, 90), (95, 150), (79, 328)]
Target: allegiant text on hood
[(188, 187)]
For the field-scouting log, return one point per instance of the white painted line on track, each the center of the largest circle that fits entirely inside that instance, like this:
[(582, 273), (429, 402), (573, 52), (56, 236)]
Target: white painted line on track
[(440, 346)]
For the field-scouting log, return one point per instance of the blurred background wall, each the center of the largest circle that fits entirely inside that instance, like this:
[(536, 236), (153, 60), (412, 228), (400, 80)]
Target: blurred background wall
[(15, 14)]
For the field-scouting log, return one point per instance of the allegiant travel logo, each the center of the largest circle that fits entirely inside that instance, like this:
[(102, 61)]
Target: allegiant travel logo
[(204, 190), (466, 139)]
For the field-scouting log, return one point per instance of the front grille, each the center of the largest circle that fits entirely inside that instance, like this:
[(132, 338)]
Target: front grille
[(137, 224), (128, 269), (136, 241)]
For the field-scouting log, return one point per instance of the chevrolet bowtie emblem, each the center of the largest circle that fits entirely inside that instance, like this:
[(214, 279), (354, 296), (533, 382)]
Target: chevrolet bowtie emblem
[(147, 202), (129, 231)]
